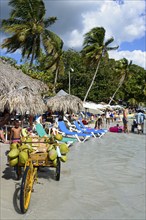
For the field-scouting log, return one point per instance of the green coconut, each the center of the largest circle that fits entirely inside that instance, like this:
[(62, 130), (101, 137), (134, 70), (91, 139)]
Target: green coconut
[(29, 140), (13, 162), (23, 139), (50, 147), (25, 146), (58, 137), (13, 146), (23, 157), (24, 132), (13, 153), (63, 158), (52, 154), (55, 162), (63, 148)]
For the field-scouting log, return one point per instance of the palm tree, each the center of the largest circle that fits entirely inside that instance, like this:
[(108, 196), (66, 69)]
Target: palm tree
[(94, 49), (123, 66), (28, 27)]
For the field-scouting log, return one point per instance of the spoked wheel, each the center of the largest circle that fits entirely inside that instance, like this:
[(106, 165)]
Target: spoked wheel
[(58, 168), (26, 188)]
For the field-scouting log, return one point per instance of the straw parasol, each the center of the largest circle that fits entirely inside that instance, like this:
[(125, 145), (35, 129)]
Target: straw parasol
[(19, 91), (11, 78), (65, 103)]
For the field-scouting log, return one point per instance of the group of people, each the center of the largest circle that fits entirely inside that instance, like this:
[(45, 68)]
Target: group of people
[(138, 122), (15, 133)]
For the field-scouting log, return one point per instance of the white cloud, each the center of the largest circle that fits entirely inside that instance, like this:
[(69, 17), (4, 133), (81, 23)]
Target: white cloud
[(137, 57), (75, 39), (123, 22)]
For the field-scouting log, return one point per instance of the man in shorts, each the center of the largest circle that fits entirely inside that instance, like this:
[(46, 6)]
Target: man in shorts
[(125, 120), (15, 133)]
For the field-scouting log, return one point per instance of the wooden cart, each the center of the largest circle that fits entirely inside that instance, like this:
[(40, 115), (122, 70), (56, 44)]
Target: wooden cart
[(35, 160)]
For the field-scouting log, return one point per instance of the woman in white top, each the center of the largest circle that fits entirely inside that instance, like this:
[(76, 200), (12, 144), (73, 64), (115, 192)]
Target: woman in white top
[(107, 117)]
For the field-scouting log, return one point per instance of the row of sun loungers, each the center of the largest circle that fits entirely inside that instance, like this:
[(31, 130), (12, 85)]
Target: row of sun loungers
[(76, 131)]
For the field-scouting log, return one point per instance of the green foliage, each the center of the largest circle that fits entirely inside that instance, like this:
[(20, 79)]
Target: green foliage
[(94, 50), (28, 31), (28, 26)]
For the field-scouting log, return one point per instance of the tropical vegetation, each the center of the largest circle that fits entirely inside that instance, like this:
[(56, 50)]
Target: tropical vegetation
[(94, 49), (28, 27), (95, 78)]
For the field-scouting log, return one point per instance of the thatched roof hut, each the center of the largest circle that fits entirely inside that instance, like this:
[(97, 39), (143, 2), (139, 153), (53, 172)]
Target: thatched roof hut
[(19, 91), (11, 78), (65, 103)]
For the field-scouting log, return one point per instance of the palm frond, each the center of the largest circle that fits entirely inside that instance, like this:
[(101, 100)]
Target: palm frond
[(49, 21), (112, 48), (109, 41)]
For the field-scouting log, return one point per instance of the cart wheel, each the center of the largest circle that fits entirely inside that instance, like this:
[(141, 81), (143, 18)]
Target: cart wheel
[(26, 189), (58, 167)]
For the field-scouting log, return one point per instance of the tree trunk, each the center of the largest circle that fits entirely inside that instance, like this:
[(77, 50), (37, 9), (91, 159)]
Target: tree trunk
[(92, 80), (120, 84), (55, 80), (33, 53)]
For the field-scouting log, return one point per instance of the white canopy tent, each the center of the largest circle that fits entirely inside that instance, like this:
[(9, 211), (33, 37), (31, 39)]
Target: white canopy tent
[(93, 108), (116, 107)]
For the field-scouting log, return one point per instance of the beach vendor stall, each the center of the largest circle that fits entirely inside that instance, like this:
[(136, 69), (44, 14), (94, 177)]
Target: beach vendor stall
[(19, 92)]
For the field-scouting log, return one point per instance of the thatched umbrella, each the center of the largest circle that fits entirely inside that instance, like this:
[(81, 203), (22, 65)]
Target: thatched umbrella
[(19, 91), (65, 103), (11, 78), (23, 100)]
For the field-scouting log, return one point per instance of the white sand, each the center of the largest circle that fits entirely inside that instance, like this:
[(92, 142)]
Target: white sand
[(102, 179)]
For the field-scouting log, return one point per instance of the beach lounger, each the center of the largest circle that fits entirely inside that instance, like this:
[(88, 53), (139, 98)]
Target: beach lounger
[(78, 135), (91, 129), (41, 132), (94, 132)]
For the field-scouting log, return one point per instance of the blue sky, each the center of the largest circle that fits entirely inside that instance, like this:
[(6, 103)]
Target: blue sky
[(124, 20)]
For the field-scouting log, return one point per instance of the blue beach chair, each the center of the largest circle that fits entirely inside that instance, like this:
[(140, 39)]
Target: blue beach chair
[(91, 129), (94, 132), (82, 135)]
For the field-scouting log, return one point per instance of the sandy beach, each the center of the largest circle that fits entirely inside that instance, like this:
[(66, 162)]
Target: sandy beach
[(102, 179)]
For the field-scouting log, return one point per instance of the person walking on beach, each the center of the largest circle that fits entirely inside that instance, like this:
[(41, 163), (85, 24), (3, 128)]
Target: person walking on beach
[(2, 137), (98, 123), (15, 133), (125, 120), (140, 120), (107, 118), (3, 121)]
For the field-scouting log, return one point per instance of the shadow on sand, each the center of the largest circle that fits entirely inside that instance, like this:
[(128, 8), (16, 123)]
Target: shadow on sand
[(9, 173)]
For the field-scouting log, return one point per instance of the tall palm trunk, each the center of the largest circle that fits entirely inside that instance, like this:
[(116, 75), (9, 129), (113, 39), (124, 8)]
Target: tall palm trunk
[(93, 79), (33, 52), (120, 84), (55, 80)]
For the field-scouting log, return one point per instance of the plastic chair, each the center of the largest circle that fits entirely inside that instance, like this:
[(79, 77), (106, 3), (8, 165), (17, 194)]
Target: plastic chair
[(94, 132), (41, 132), (64, 129), (91, 129)]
